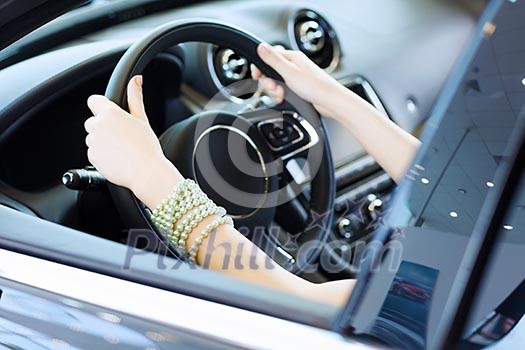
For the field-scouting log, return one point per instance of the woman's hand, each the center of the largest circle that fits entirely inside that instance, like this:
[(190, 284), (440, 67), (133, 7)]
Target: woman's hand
[(301, 75), (125, 150), (378, 135)]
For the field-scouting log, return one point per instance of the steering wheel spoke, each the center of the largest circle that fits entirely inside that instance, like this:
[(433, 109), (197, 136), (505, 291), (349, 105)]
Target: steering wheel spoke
[(286, 132), (292, 216)]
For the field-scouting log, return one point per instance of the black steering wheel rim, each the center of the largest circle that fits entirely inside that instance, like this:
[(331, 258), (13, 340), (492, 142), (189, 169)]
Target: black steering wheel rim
[(134, 61)]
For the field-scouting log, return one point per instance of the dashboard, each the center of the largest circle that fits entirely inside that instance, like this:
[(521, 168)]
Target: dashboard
[(395, 54)]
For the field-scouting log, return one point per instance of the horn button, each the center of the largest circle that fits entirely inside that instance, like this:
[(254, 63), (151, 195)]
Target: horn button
[(229, 160)]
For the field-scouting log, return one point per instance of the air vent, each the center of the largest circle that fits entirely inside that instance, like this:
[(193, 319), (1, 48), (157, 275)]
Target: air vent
[(227, 68), (313, 35), (230, 67)]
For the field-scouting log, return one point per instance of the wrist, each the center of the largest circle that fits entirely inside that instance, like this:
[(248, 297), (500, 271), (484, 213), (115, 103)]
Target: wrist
[(156, 182), (336, 96), (328, 101)]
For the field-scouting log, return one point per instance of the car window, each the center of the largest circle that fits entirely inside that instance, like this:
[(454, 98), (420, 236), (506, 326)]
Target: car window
[(500, 301), (436, 208)]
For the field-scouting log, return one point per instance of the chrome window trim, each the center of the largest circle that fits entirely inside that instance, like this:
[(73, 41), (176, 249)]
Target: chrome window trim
[(240, 328)]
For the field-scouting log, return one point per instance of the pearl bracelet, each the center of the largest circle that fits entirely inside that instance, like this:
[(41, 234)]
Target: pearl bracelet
[(174, 207), (192, 254), (188, 224), (186, 197)]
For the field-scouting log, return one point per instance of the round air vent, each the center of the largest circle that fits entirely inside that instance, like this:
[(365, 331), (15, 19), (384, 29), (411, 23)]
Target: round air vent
[(230, 67), (313, 35), (227, 68)]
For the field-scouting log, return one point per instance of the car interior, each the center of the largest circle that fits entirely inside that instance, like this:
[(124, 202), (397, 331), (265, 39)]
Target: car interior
[(373, 55), (398, 56)]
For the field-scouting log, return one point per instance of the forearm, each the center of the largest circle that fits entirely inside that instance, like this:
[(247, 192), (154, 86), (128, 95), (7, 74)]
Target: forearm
[(226, 250), (155, 182), (392, 147), (124, 148)]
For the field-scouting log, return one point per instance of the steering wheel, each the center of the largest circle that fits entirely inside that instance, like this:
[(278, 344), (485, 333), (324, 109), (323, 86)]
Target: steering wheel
[(251, 163)]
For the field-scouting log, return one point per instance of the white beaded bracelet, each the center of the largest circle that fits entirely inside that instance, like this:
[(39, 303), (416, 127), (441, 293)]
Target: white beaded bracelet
[(176, 205), (192, 254), (185, 197), (188, 224)]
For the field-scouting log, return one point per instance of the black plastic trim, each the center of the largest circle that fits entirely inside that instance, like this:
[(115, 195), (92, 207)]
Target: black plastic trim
[(83, 22), (23, 16), (22, 108)]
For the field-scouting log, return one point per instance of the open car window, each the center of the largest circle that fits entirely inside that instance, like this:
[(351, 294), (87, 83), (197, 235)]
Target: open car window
[(431, 222), (434, 215), (499, 301)]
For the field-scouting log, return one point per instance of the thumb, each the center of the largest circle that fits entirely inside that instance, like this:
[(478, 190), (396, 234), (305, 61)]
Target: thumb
[(135, 98), (274, 59), (256, 73)]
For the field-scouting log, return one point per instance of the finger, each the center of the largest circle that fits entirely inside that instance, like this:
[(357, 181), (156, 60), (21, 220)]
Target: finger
[(274, 59), (256, 73), (135, 98), (268, 83), (91, 156), (298, 59), (89, 124), (89, 140), (98, 104), (278, 95), (292, 55)]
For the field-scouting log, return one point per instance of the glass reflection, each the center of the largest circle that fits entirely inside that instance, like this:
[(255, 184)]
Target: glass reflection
[(435, 210), (404, 315)]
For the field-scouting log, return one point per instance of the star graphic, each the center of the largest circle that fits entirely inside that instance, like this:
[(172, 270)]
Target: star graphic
[(376, 223), (399, 232), (318, 220), (379, 220), (349, 206), (355, 209), (291, 241)]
